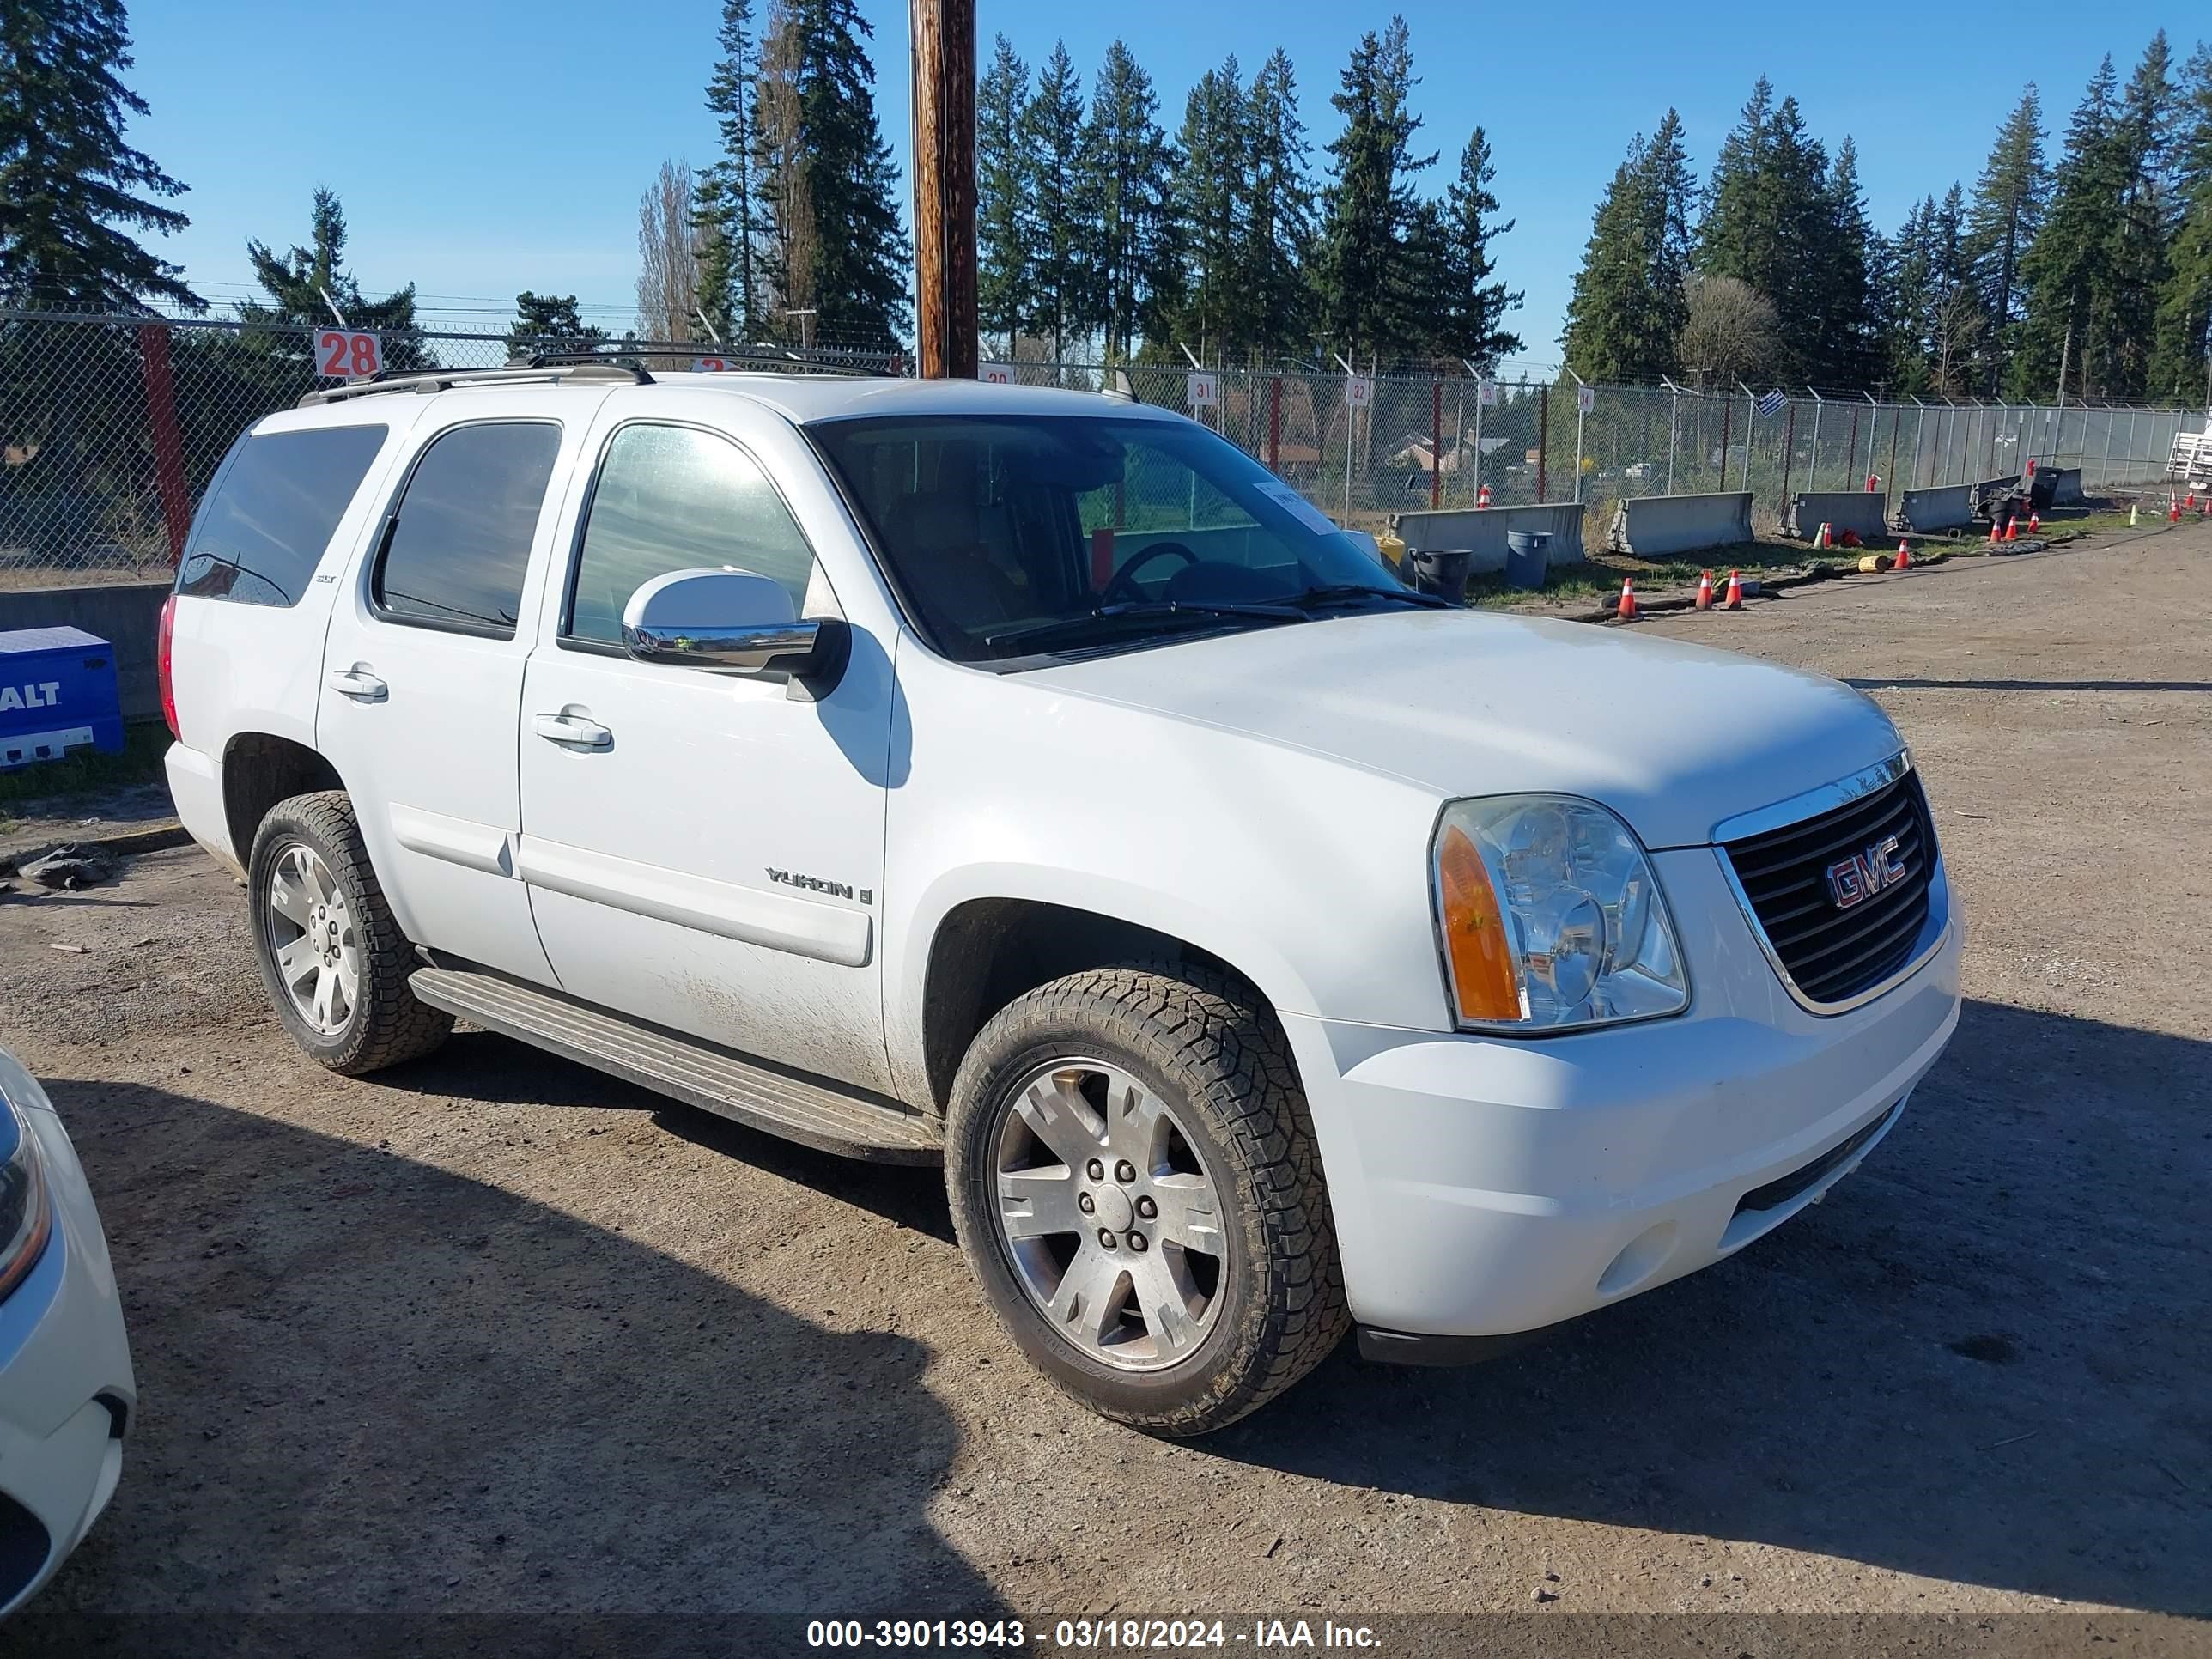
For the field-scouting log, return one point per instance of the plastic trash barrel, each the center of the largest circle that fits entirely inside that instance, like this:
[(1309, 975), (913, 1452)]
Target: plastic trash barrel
[(1441, 571), (1527, 557)]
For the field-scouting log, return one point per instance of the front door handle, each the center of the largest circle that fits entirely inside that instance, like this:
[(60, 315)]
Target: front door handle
[(358, 684), (573, 731)]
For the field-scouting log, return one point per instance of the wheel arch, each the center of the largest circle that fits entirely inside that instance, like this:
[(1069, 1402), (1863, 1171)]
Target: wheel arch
[(260, 769), (985, 951)]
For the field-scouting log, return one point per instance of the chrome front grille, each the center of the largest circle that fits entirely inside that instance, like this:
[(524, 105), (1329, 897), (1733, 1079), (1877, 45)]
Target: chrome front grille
[(1796, 881)]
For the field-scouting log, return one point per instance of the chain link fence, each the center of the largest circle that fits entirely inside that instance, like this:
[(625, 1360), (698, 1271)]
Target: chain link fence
[(110, 426)]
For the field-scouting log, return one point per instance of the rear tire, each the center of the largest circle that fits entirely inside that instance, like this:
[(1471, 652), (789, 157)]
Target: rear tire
[(1219, 1287), (334, 962)]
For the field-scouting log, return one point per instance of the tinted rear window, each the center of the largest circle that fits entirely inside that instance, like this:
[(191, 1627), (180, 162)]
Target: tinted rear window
[(259, 537), (456, 556)]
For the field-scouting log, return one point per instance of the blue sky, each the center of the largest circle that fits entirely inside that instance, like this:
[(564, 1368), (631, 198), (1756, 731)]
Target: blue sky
[(485, 146)]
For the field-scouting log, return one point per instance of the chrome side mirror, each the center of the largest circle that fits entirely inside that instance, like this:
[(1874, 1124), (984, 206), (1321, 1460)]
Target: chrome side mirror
[(728, 622)]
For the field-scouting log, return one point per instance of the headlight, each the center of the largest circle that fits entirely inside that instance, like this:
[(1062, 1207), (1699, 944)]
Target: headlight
[(25, 1214), (1549, 917)]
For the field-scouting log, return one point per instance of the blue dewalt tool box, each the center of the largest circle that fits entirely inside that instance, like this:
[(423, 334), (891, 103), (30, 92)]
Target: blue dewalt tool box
[(57, 693)]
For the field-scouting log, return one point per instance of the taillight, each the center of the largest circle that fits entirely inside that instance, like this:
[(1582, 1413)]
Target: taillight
[(163, 670)]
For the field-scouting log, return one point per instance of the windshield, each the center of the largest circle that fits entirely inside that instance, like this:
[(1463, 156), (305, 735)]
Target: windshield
[(1016, 537)]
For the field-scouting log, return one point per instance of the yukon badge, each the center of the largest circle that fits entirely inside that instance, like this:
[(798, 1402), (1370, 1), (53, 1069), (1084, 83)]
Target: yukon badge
[(1865, 874), (815, 883)]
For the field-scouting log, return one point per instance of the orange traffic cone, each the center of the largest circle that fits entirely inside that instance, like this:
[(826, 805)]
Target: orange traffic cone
[(1903, 555), (2172, 510), (1735, 599), (1996, 532), (1824, 541), (2012, 530), (2034, 522), (1627, 609), (2191, 502), (1705, 590)]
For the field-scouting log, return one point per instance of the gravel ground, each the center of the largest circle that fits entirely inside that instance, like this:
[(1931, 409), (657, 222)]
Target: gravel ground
[(492, 1335)]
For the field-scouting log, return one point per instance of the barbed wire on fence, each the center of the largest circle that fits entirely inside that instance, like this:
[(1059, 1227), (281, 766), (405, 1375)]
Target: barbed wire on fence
[(110, 426)]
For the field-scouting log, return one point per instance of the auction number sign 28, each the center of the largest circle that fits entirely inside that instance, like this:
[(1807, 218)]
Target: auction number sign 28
[(348, 353)]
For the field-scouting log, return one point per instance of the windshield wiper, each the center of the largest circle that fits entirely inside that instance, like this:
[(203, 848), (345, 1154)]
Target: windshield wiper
[(1337, 592), (1105, 616)]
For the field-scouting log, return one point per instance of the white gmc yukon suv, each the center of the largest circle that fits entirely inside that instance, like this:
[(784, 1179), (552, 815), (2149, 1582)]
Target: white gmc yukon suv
[(1028, 781)]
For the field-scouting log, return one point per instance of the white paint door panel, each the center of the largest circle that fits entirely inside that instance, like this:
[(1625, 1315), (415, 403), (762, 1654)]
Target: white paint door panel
[(703, 850), (420, 719)]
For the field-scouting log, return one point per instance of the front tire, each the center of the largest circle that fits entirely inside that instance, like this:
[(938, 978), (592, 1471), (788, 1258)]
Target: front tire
[(334, 962), (1132, 1176)]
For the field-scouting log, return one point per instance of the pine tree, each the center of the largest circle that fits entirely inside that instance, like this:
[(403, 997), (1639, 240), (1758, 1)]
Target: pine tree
[(1368, 280), (727, 210), (1472, 308), (1910, 300), (550, 322), (2007, 209), (1004, 204), (2066, 271), (1063, 284), (781, 178), (305, 282), (2143, 135), (1612, 331), (1847, 345), (861, 257), (1209, 206), (71, 190), (1773, 224), (1734, 238), (1630, 297), (1279, 215), (2181, 370), (1128, 172), (1668, 196)]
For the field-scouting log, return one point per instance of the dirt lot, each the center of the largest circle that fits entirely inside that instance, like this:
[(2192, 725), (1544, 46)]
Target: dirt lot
[(493, 1335)]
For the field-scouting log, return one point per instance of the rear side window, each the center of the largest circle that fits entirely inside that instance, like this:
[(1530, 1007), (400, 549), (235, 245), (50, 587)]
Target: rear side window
[(458, 545), (675, 498), (259, 537)]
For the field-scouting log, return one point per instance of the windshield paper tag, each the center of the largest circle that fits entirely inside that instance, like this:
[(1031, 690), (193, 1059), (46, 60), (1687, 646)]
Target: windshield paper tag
[(1298, 507)]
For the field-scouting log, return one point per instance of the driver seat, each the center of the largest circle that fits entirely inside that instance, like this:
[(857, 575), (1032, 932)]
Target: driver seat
[(937, 536)]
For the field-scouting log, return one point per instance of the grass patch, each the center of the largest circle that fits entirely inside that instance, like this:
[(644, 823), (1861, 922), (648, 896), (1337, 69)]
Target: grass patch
[(1599, 577), (84, 773)]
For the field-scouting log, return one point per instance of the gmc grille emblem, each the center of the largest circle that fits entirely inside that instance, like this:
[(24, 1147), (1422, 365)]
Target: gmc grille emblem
[(1865, 874)]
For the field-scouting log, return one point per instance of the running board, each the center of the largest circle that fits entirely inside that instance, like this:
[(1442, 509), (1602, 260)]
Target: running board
[(850, 1123)]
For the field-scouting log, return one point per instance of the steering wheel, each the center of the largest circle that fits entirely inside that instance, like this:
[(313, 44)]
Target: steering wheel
[(1122, 585)]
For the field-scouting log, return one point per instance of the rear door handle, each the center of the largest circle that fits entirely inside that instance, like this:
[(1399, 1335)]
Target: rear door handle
[(353, 682), (573, 731)]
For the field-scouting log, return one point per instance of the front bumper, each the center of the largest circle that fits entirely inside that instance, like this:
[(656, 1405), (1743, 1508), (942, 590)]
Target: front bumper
[(1485, 1186), (67, 1393)]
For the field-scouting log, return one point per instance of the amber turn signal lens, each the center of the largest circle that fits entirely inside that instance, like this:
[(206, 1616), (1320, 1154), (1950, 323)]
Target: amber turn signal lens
[(1475, 942)]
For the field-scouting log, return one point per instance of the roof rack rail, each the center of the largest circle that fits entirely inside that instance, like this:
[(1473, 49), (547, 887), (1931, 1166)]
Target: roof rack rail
[(594, 370)]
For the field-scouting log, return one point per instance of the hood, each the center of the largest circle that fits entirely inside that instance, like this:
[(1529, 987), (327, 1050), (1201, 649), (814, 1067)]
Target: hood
[(1674, 737)]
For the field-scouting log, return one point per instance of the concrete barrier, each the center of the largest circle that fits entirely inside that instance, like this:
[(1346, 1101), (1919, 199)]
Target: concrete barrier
[(127, 615), (1924, 512), (2068, 491), (1483, 531), (1859, 511), (1654, 526)]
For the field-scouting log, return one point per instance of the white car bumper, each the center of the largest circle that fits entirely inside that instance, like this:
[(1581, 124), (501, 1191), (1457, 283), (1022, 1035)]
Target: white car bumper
[(196, 786), (67, 1393), (1485, 1186)]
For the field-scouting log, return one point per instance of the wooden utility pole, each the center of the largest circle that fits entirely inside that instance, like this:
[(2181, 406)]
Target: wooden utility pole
[(945, 187)]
